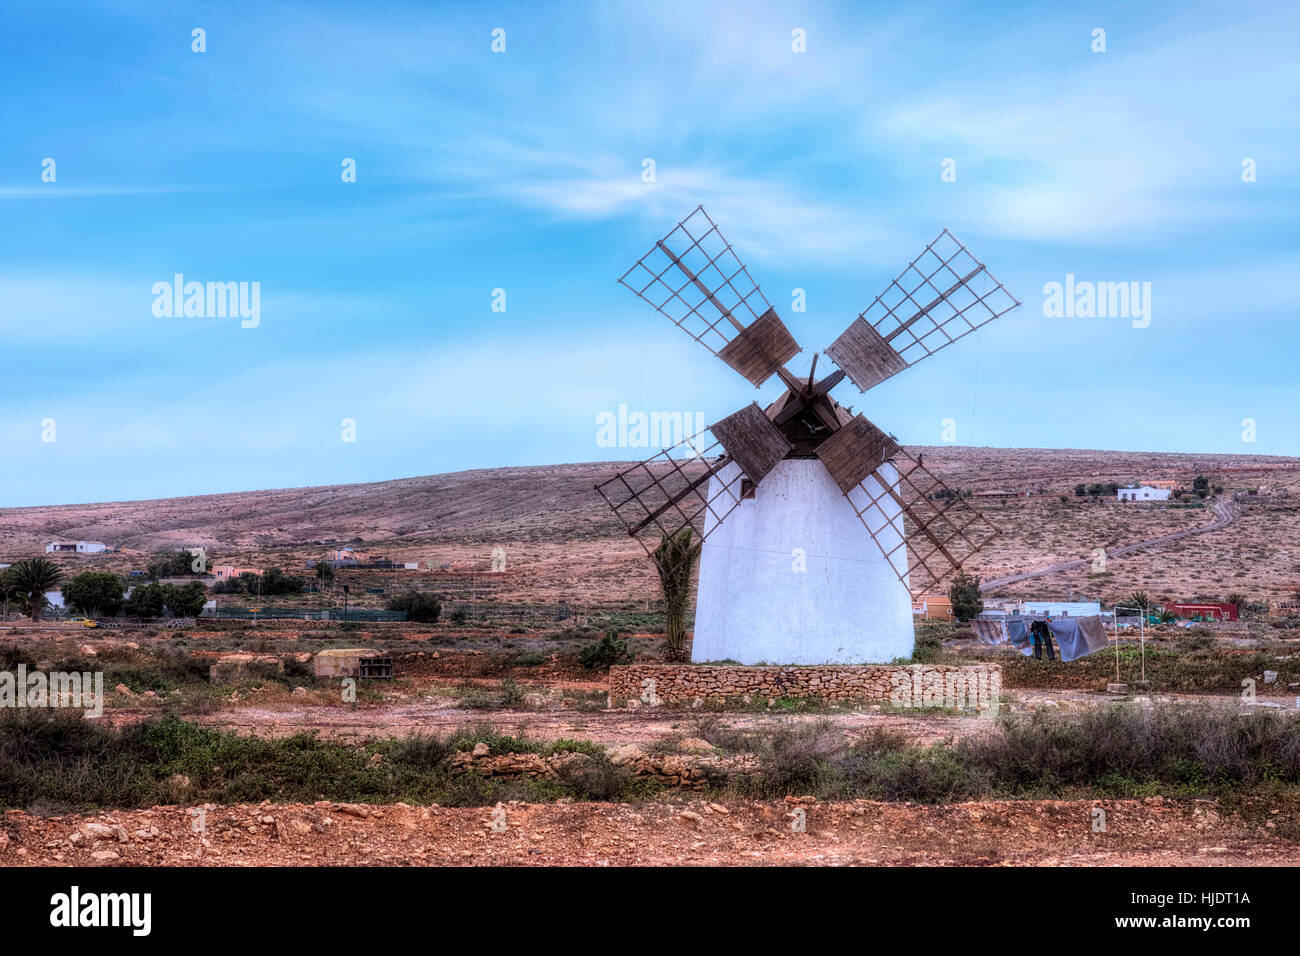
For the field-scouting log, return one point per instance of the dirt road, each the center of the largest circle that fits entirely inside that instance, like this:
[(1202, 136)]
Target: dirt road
[(1225, 512), (647, 725)]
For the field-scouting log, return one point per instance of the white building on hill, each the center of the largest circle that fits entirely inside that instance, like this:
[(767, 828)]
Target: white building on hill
[(80, 547), (1061, 608), (1144, 493)]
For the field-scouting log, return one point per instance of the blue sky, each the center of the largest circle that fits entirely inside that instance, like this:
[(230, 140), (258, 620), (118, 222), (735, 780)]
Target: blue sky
[(522, 171)]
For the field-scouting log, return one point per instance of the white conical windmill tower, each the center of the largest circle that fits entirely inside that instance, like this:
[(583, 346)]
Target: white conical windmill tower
[(813, 520)]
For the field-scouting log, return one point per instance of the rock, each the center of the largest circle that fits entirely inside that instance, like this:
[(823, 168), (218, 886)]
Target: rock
[(480, 750), (300, 692), (569, 761), (100, 831), (1117, 688), (625, 754), (124, 690), (695, 745), (692, 816), (106, 855), (352, 809), (88, 650)]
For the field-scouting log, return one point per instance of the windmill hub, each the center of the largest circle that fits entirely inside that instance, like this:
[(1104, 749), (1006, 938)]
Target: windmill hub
[(815, 523)]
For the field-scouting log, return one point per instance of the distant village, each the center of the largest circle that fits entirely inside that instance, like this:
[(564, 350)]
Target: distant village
[(187, 566)]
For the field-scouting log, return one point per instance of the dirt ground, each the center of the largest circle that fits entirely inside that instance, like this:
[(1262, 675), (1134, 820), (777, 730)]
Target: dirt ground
[(688, 833), (643, 726)]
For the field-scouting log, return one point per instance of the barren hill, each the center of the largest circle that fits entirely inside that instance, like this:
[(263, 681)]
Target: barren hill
[(560, 536)]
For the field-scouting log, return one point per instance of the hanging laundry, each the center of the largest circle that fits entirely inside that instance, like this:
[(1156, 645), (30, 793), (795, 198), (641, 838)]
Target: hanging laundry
[(1078, 636), (1042, 637), (1093, 633), (1018, 635), (1017, 631), (990, 632)]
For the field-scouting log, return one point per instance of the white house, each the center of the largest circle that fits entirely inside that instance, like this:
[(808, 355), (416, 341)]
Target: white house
[(1144, 493), (81, 547), (1061, 608)]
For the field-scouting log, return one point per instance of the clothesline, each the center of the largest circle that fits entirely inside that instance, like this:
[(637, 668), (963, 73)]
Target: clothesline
[(1033, 635)]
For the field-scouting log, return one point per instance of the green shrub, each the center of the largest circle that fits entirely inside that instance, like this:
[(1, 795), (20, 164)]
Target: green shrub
[(604, 653), (419, 606), (928, 647)]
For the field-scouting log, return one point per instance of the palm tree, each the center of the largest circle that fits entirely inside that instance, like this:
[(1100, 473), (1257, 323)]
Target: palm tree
[(8, 590), (1140, 599), (31, 578), (675, 560)]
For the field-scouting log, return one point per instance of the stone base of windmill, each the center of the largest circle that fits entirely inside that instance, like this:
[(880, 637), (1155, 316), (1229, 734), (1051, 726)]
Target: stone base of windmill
[(968, 688)]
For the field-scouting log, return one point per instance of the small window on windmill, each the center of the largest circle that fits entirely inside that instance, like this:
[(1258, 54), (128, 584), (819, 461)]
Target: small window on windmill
[(746, 489)]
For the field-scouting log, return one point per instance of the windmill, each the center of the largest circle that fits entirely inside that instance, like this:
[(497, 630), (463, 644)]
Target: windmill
[(814, 521)]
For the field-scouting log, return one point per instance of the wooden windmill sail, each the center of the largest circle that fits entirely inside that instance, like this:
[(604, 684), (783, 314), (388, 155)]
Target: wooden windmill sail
[(694, 277)]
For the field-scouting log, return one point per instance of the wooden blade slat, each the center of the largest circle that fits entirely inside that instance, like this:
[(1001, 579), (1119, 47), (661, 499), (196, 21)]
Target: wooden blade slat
[(854, 451), (752, 440)]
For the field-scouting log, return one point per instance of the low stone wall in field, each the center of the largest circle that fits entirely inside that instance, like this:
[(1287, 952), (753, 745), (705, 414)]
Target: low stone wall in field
[(909, 685)]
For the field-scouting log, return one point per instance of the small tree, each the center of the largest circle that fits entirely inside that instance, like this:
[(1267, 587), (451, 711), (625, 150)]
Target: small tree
[(964, 593), (606, 652), (31, 578), (675, 560), (146, 600), (275, 581), (186, 600), (94, 592), (170, 564), (419, 605), (1140, 599), (324, 572)]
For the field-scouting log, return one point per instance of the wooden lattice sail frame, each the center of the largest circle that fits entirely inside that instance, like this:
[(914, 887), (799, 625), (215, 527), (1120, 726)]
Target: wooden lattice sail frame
[(944, 294)]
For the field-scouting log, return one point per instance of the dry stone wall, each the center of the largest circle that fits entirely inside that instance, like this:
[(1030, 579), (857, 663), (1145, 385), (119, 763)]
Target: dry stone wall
[(911, 685)]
